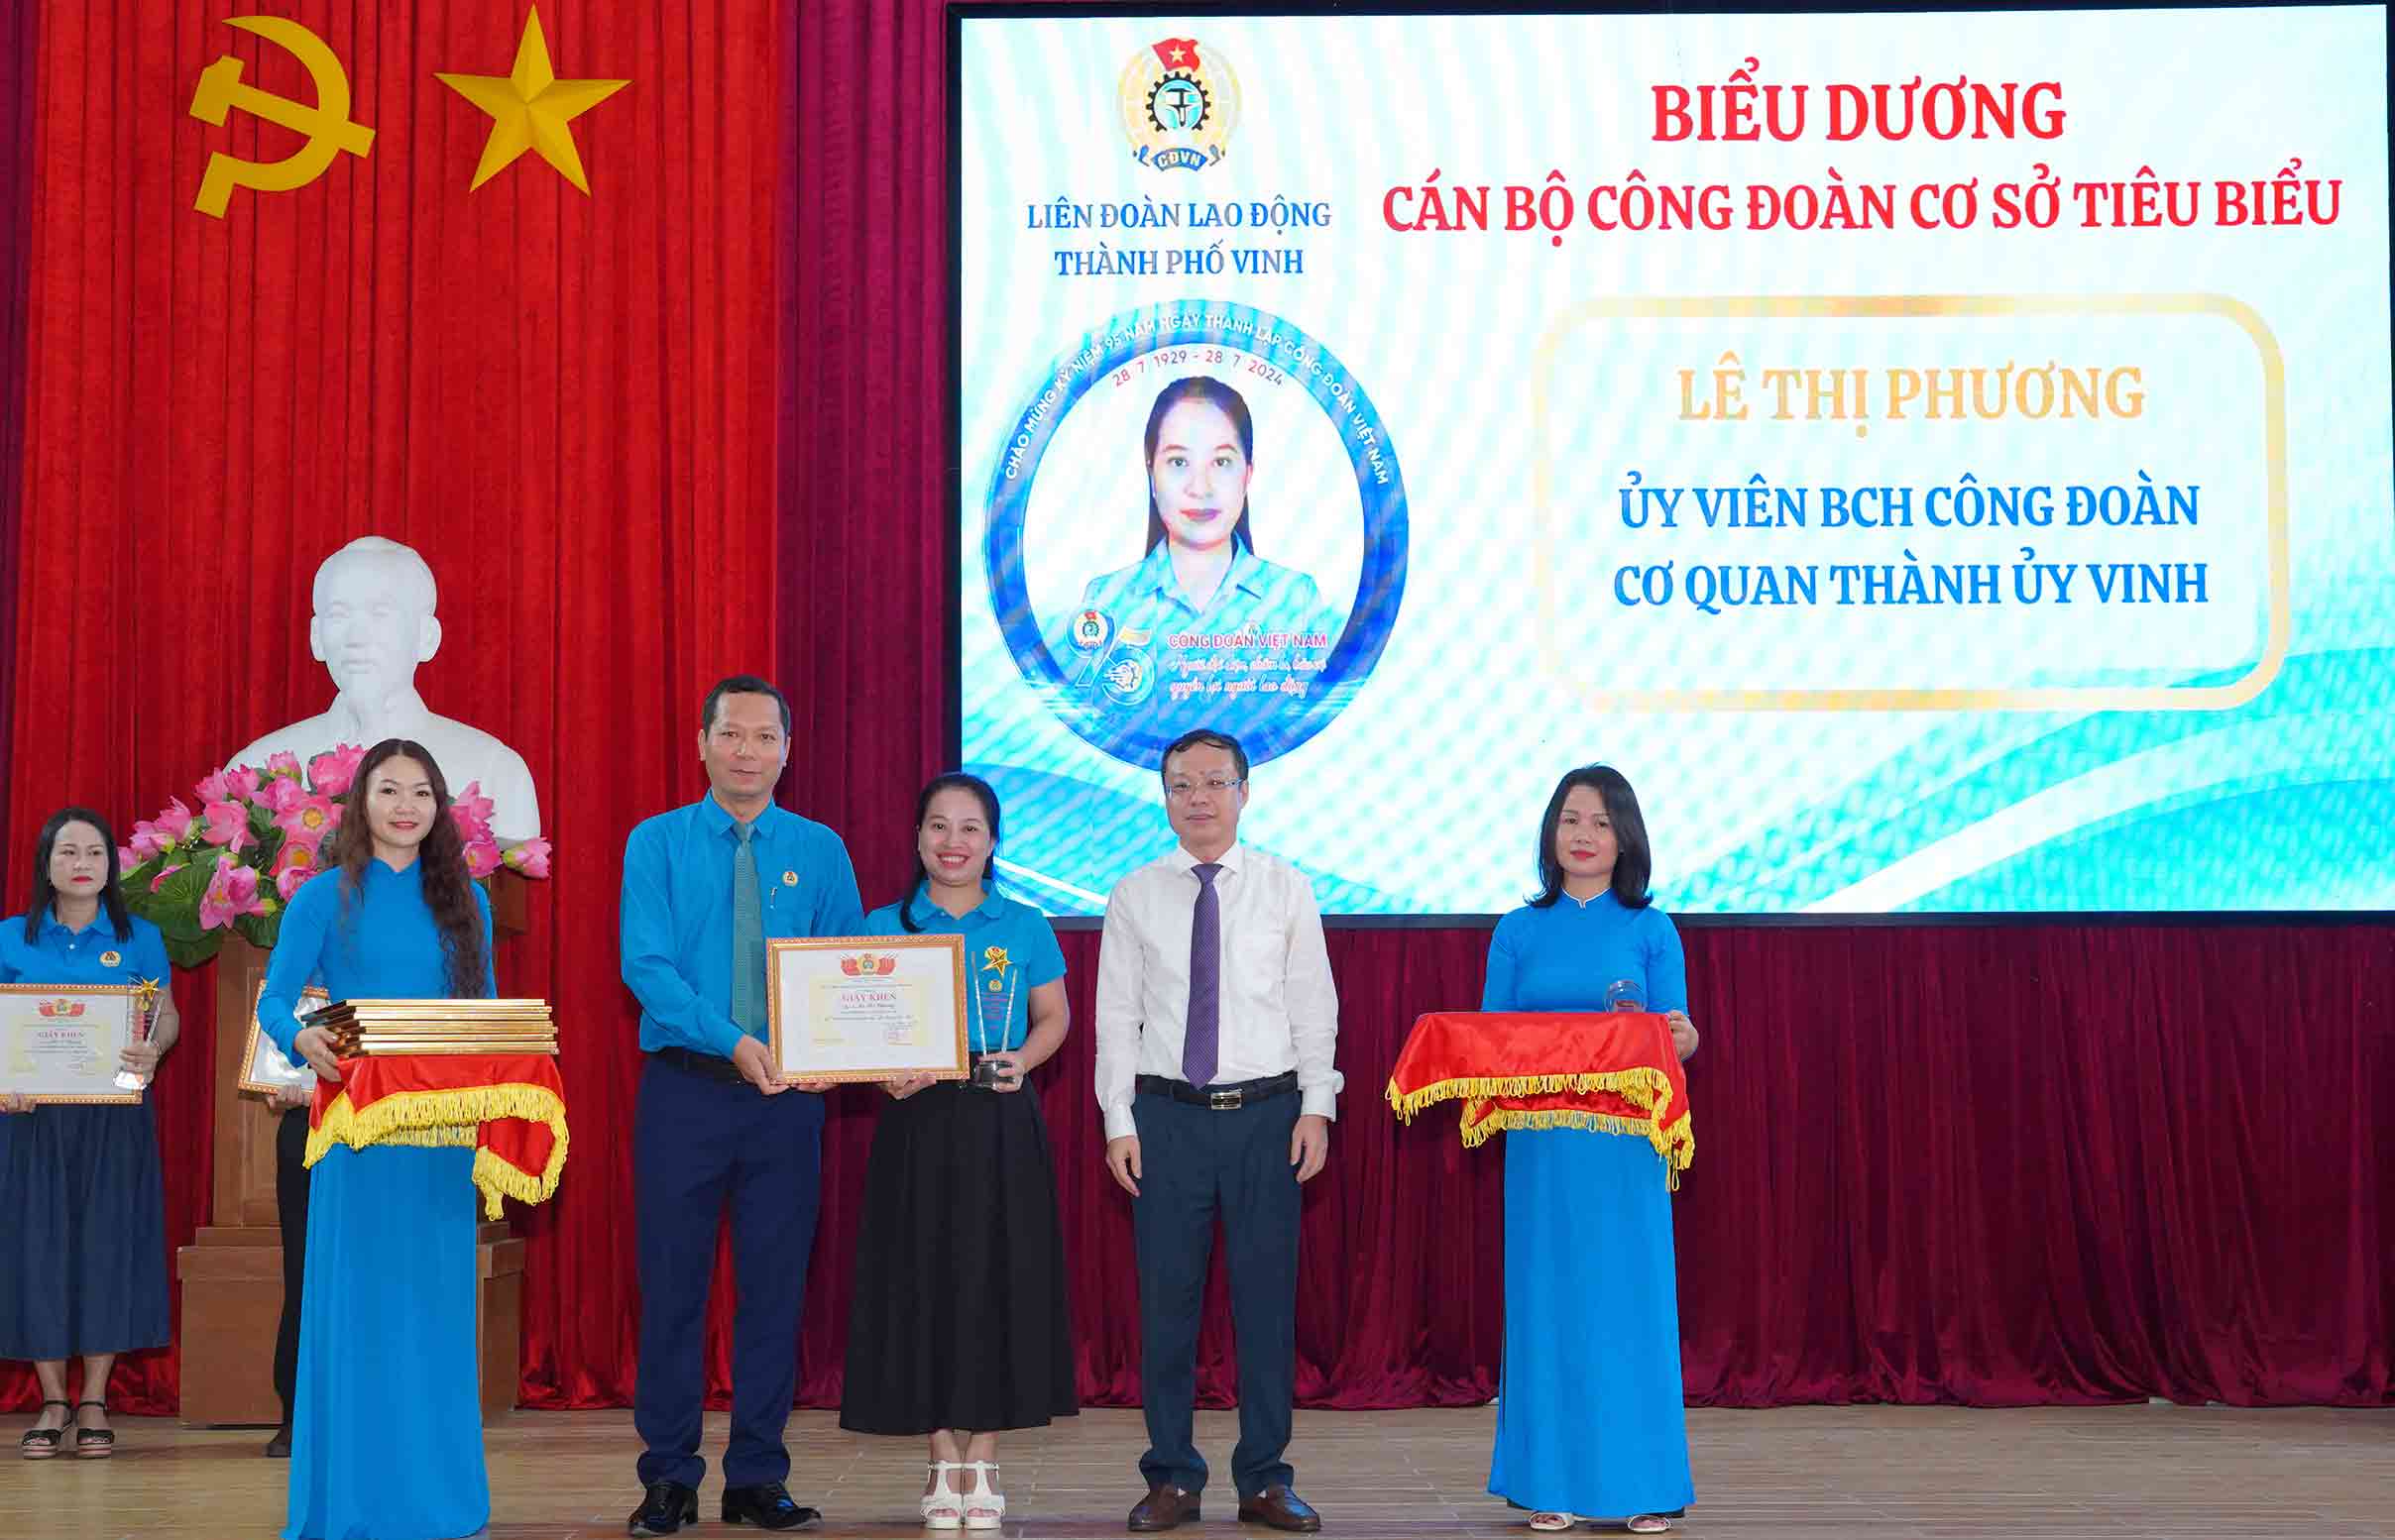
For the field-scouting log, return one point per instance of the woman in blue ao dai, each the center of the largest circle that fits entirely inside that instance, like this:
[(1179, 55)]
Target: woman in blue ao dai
[(387, 1438), (1589, 1412)]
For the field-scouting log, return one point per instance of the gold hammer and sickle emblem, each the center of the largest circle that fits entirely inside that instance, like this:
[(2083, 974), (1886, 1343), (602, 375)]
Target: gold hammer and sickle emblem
[(326, 125)]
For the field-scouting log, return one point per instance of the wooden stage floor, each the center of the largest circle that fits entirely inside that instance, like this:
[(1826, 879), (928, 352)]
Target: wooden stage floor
[(1879, 1473)]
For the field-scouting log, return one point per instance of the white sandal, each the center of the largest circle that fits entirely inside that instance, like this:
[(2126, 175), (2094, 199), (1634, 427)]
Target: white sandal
[(984, 1507), (1646, 1525), (1550, 1522), (942, 1505)]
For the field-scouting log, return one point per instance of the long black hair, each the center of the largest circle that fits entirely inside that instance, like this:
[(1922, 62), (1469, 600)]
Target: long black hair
[(1214, 392), (448, 885), (112, 897), (1633, 859), (953, 781)]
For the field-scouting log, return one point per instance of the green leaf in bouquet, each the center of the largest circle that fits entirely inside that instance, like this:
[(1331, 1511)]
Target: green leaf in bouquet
[(261, 929), (193, 953)]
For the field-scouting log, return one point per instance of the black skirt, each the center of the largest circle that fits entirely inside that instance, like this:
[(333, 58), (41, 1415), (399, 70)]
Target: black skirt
[(960, 1318), (82, 1233)]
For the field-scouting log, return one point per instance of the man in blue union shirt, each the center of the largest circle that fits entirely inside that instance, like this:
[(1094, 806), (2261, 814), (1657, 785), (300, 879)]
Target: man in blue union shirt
[(704, 887)]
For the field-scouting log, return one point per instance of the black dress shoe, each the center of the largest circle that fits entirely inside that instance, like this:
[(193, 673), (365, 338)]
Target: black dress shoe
[(1281, 1508), (667, 1506), (767, 1507), (280, 1446)]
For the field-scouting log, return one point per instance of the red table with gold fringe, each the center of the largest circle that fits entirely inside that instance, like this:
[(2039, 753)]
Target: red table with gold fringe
[(1612, 1072), (510, 1107)]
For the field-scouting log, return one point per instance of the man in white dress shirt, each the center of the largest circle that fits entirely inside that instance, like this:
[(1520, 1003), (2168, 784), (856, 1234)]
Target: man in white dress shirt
[(1216, 1023)]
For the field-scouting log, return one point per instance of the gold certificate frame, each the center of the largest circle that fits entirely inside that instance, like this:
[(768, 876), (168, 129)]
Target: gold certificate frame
[(264, 1070), (60, 1044), (856, 1008)]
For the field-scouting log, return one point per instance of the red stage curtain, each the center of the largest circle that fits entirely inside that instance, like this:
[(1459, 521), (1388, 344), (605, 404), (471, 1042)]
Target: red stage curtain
[(1997, 1165), (565, 402), (696, 422), (16, 179)]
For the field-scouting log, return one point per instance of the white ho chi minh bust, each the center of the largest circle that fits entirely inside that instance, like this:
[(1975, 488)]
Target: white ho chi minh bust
[(374, 623)]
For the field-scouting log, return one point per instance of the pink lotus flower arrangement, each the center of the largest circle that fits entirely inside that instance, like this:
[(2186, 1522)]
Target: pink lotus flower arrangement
[(255, 836)]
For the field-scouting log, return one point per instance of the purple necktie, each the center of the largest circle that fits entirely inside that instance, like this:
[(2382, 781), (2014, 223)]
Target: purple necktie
[(1200, 1045)]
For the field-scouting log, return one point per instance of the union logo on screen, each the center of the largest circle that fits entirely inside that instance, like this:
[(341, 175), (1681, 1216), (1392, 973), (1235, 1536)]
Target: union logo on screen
[(1180, 102)]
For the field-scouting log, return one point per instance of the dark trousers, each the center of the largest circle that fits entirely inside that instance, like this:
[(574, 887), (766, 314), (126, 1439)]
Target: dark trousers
[(698, 1145), (1195, 1164), (290, 1207)]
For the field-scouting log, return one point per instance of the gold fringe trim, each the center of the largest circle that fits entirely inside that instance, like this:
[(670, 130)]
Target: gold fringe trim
[(1643, 1087), (1674, 1145), (448, 1120), (1649, 1089)]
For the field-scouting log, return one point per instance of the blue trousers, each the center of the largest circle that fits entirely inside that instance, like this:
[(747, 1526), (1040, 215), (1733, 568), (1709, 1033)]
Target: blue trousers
[(699, 1146), (1197, 1163)]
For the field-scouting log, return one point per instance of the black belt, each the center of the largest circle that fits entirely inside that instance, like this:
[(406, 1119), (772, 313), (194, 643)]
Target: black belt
[(1221, 1098), (707, 1067)]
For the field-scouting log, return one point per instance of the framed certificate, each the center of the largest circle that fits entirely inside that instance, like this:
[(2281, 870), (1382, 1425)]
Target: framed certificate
[(59, 1043), (263, 1067), (866, 1007)]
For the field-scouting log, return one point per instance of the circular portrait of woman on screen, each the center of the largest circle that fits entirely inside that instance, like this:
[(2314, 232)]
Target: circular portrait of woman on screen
[(1198, 522)]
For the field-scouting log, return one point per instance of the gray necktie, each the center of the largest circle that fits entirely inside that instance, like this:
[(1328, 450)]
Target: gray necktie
[(748, 937), (1202, 1044)]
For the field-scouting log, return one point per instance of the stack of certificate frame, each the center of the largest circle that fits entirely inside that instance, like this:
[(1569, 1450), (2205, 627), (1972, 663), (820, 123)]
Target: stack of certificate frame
[(382, 1028)]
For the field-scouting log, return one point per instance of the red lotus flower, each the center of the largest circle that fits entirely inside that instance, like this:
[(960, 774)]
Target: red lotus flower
[(232, 892), (147, 842), (229, 825), (482, 857), (331, 771), (472, 810), (309, 820), (529, 857), (174, 824), (298, 863)]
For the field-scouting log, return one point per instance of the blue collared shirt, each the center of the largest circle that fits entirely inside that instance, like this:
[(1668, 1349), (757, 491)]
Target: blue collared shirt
[(1147, 597), (1009, 950), (1159, 664), (676, 923), (92, 956)]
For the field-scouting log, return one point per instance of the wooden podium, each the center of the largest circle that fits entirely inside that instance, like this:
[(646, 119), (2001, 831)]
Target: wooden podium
[(232, 1271)]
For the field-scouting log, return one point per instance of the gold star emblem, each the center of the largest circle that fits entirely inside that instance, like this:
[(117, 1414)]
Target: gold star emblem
[(531, 108)]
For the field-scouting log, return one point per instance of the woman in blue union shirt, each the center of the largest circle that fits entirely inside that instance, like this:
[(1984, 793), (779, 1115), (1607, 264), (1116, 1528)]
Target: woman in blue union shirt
[(959, 1327), (1589, 1413), (1165, 638), (84, 1268), (386, 1441)]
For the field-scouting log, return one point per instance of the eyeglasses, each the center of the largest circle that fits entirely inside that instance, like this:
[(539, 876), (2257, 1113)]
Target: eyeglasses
[(1182, 791)]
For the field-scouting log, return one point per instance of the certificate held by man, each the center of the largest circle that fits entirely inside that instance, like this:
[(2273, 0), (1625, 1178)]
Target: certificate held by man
[(847, 1008)]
